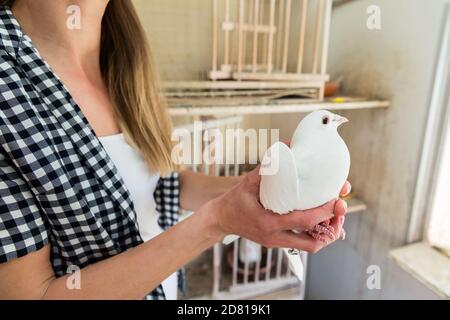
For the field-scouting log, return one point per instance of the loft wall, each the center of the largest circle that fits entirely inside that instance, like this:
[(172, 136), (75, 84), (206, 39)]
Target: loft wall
[(396, 63)]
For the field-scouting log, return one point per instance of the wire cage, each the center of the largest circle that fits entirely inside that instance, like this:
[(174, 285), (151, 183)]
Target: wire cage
[(266, 40), (243, 269)]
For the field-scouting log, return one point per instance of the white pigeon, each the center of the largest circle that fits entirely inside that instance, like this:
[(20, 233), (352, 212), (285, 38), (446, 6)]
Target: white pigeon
[(308, 174)]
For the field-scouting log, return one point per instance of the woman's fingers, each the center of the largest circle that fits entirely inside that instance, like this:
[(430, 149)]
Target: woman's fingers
[(252, 180), (300, 241), (346, 189), (306, 242), (332, 229), (337, 223), (340, 207), (307, 219)]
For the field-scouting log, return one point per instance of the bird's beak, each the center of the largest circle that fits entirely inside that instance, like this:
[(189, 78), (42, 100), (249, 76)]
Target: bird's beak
[(340, 120)]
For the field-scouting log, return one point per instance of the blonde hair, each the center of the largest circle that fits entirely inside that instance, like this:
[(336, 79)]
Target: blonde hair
[(127, 69)]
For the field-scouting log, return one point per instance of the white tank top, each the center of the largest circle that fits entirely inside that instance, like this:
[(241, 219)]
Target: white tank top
[(141, 183)]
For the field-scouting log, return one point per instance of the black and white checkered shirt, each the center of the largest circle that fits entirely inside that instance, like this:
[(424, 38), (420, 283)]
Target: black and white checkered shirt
[(57, 184)]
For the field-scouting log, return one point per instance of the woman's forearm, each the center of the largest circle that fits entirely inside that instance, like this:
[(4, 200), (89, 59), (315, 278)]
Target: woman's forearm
[(136, 272), (197, 188)]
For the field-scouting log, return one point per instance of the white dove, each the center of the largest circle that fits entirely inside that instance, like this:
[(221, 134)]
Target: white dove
[(307, 175)]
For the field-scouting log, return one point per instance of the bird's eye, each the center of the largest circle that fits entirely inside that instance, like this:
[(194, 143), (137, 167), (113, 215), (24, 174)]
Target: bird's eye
[(325, 120)]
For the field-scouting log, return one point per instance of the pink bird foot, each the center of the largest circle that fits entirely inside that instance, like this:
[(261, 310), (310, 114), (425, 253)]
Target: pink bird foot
[(318, 237), (321, 231), (328, 230)]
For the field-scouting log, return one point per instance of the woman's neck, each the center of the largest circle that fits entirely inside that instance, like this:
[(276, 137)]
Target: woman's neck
[(53, 26)]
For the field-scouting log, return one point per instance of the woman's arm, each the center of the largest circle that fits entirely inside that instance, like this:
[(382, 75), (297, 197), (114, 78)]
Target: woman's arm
[(134, 273), (129, 275), (196, 188)]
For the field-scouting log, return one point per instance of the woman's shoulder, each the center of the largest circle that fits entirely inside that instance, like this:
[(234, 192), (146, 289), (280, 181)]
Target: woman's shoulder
[(14, 99), (10, 38), (10, 34)]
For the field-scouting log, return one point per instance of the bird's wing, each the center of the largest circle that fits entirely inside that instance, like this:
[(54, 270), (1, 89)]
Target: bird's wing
[(295, 263), (279, 188), (279, 183)]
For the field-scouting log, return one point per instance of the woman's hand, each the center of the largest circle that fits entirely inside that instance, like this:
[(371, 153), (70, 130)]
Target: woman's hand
[(327, 230), (239, 212)]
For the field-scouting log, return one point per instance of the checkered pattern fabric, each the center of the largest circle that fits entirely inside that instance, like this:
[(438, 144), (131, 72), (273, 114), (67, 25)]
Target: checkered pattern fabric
[(57, 184)]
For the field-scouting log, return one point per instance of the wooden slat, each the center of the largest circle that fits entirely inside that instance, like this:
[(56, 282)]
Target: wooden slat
[(304, 257), (279, 261), (278, 76), (317, 36), (263, 98), (301, 40), (271, 36), (286, 31), (263, 51), (255, 36), (226, 59), (240, 57), (172, 96), (279, 35), (237, 151), (214, 35), (246, 264), (216, 268), (356, 205), (235, 262), (243, 85), (326, 36), (258, 266), (269, 263), (277, 108), (249, 22), (254, 289)]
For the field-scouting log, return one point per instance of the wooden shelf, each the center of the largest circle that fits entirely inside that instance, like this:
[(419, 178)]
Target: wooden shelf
[(355, 205), (426, 264), (232, 107)]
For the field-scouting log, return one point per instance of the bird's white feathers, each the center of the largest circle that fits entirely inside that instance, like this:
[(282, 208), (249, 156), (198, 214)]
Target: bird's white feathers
[(308, 174), (279, 164), (320, 167)]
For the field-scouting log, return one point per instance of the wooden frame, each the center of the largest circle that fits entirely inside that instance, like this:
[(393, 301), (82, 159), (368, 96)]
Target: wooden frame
[(438, 114), (303, 105), (263, 31)]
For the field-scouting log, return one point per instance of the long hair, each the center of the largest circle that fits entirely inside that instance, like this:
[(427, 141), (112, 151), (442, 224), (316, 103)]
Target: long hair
[(128, 72)]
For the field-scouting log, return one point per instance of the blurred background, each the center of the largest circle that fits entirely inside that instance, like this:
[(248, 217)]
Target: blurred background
[(383, 64)]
